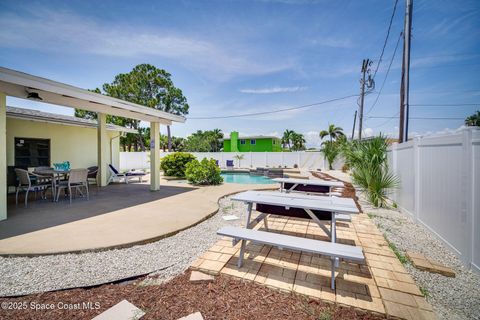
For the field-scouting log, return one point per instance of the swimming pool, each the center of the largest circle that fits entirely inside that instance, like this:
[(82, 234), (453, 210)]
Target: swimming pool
[(245, 178)]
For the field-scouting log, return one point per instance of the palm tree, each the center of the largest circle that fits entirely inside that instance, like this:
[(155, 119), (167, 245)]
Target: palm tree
[(298, 141), (217, 134), (333, 132), (473, 120), (287, 138)]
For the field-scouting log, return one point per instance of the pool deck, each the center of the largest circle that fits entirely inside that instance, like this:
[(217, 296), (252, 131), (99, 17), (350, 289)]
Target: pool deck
[(129, 216)]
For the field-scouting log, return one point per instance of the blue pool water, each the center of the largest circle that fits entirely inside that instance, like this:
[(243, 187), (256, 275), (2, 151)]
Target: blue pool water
[(245, 178)]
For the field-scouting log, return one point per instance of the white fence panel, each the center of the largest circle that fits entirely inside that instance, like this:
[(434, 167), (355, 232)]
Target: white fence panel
[(440, 187), (475, 223), (305, 160)]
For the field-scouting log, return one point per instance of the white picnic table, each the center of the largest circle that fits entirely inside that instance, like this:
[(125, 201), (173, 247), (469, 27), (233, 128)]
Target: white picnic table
[(306, 182), (306, 202)]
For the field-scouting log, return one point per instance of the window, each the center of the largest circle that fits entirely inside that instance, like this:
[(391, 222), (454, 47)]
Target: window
[(253, 141), (242, 141), (32, 152), (274, 141)]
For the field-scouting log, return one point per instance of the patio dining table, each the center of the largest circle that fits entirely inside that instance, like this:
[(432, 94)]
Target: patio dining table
[(55, 174), (304, 206)]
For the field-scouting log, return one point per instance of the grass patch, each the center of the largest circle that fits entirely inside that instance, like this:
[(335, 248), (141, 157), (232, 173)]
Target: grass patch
[(424, 292), (325, 314), (400, 256)]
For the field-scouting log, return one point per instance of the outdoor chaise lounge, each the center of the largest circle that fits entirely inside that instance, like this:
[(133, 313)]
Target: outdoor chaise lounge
[(115, 175)]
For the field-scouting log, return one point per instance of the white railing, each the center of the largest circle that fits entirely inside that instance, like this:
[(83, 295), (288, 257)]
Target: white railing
[(304, 160), (440, 188)]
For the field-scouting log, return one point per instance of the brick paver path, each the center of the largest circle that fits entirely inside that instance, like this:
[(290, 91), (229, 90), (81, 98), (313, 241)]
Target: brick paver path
[(380, 285)]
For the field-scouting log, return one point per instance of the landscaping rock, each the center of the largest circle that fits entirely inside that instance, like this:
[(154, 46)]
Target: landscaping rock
[(197, 276), (421, 262), (123, 310), (193, 316)]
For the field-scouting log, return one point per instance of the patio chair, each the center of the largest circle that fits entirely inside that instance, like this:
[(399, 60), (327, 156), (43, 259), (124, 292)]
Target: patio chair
[(77, 180), (42, 183), (116, 175), (230, 164)]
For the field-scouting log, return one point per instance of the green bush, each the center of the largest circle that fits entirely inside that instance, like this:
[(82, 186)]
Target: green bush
[(174, 164), (205, 172), (368, 161)]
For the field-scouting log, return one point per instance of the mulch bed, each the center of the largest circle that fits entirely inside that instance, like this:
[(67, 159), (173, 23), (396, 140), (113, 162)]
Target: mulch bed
[(224, 298), (348, 190)]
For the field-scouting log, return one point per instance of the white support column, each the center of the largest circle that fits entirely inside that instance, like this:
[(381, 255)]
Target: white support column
[(154, 156), (103, 150), (3, 156)]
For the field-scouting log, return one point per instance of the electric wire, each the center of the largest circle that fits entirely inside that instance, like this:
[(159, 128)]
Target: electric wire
[(274, 111), (386, 38), (386, 75)]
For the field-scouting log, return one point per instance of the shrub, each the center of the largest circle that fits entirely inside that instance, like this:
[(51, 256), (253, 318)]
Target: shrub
[(330, 149), (368, 161), (205, 172), (174, 164)]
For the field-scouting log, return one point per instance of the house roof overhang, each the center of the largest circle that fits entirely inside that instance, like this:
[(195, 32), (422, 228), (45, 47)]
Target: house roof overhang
[(18, 84), (40, 116)]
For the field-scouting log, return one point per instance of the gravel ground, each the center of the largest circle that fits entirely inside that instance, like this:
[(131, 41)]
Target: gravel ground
[(452, 298), (165, 258)]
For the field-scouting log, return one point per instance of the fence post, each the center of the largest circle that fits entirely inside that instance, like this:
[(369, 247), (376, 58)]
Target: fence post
[(468, 186), (417, 181), (394, 168), (283, 160)]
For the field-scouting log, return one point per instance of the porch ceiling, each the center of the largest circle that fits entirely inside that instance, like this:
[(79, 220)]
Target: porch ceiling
[(18, 84)]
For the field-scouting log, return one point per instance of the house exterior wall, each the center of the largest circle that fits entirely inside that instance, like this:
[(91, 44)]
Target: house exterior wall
[(67, 143), (261, 145)]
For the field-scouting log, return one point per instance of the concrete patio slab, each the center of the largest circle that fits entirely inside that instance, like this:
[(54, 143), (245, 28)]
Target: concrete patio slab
[(133, 216)]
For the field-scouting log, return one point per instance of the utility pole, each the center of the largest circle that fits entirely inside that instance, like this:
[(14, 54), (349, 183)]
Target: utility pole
[(404, 111), (401, 125), (365, 69), (354, 121)]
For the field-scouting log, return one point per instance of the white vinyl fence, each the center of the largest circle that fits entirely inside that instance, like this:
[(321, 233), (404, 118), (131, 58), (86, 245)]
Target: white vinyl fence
[(304, 160), (440, 188)]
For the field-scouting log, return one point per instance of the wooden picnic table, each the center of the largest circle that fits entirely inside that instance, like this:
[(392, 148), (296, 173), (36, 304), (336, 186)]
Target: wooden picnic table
[(307, 185)]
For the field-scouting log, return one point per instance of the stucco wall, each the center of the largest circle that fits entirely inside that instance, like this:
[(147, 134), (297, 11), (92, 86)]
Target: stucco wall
[(67, 143)]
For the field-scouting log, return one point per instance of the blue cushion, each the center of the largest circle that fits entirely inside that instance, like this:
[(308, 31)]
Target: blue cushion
[(113, 169)]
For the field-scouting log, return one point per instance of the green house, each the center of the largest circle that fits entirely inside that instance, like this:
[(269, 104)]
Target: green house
[(251, 144)]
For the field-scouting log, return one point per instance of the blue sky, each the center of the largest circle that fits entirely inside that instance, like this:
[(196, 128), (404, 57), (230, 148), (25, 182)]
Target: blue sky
[(233, 57)]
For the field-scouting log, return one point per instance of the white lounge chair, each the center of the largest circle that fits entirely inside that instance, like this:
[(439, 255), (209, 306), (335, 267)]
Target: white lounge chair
[(116, 176)]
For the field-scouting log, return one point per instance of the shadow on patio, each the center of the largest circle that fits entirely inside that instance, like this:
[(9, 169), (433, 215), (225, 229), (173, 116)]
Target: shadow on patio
[(42, 214)]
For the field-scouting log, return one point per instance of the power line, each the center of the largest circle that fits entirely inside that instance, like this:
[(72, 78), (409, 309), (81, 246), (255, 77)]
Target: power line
[(274, 111), (446, 105), (418, 118), (386, 74), (386, 38)]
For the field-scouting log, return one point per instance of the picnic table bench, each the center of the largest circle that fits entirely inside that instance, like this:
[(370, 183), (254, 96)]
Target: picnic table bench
[(307, 185)]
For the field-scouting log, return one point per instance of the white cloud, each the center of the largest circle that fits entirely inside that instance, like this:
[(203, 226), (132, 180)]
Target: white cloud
[(66, 32), (312, 139), (333, 42), (273, 90)]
